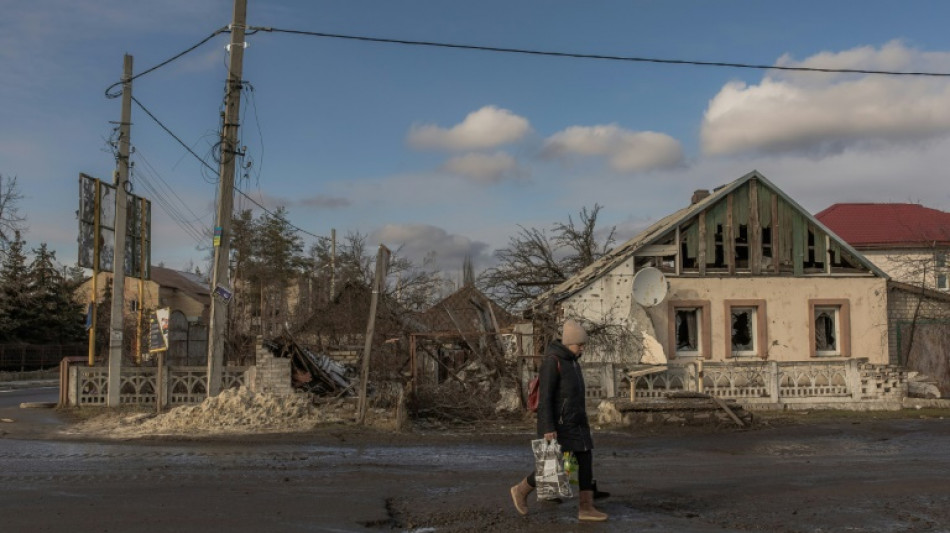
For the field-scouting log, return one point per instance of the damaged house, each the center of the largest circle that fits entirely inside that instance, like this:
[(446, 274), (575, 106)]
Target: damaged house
[(761, 303), (911, 244), (464, 328)]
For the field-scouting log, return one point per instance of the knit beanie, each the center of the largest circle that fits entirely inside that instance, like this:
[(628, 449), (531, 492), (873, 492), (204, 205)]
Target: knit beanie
[(573, 333)]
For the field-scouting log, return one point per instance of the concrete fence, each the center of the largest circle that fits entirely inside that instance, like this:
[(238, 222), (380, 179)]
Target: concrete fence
[(838, 383), (172, 385)]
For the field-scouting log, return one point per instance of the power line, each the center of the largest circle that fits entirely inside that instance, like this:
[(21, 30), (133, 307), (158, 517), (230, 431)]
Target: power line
[(205, 163), (573, 55), (275, 215), (168, 205), (168, 131), (163, 63)]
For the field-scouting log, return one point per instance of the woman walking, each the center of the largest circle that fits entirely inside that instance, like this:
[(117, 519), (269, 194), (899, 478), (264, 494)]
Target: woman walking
[(562, 415)]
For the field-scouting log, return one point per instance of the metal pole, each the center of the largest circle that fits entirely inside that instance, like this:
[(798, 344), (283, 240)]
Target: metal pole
[(229, 151), (121, 216)]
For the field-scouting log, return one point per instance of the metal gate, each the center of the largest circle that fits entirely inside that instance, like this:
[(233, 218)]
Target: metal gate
[(187, 342)]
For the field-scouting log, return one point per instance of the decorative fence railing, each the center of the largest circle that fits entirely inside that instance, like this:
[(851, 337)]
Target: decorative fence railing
[(751, 382), (89, 385)]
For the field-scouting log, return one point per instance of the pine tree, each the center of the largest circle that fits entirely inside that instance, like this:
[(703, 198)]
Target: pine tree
[(57, 316), (15, 308)]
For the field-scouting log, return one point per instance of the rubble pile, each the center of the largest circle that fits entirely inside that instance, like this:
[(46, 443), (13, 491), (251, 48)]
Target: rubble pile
[(233, 411), (313, 372), (238, 408)]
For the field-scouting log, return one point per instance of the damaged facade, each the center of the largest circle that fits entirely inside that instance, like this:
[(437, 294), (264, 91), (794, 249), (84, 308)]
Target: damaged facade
[(752, 278)]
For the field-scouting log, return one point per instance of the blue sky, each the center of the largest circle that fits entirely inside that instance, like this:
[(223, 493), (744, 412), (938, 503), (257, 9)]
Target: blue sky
[(449, 151)]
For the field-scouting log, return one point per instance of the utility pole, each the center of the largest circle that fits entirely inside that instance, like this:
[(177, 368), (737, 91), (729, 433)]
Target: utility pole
[(332, 263), (118, 264), (382, 267), (229, 151)]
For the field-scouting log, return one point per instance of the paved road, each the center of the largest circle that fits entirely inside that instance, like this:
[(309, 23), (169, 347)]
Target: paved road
[(855, 475), (10, 397)]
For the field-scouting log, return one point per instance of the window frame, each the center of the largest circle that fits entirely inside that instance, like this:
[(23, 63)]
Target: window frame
[(703, 322), (842, 325), (759, 334)]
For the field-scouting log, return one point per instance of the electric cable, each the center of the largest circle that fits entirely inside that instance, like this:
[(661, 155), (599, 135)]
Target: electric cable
[(163, 63), (208, 166), (168, 131), (573, 55), (166, 203)]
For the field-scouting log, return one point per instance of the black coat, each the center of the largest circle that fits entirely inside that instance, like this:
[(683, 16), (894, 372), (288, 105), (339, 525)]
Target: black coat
[(561, 400)]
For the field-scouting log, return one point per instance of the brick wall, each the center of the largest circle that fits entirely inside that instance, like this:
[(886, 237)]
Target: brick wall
[(271, 374), (901, 307)]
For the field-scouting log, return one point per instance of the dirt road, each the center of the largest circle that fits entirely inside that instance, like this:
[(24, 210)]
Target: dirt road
[(810, 473)]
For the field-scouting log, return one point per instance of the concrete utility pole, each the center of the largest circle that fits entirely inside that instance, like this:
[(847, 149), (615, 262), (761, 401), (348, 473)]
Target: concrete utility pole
[(118, 264), (229, 151), (382, 267), (332, 263)]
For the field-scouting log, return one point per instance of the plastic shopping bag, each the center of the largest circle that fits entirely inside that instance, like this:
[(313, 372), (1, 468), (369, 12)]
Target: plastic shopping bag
[(549, 475)]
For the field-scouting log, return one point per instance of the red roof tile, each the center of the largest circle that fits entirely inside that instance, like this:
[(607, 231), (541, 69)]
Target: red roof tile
[(887, 225)]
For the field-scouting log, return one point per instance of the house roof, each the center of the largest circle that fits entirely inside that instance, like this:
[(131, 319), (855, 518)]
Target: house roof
[(663, 226), (918, 290), (173, 279), (459, 310), (876, 226)]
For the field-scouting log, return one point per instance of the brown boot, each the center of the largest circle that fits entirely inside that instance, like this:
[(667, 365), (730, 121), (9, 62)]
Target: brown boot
[(519, 494), (585, 509)]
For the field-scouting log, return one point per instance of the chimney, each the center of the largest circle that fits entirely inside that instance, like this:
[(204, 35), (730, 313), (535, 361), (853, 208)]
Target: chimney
[(698, 195)]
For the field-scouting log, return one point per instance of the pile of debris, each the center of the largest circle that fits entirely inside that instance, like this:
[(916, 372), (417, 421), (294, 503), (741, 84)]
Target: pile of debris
[(315, 373), (234, 411), (476, 392), (680, 408)]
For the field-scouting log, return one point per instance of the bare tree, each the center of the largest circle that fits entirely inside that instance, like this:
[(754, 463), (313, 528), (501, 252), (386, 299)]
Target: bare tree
[(10, 219), (534, 261), (415, 286), (919, 268)]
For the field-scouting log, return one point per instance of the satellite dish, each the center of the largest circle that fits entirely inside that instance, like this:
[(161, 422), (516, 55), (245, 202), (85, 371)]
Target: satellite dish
[(649, 287)]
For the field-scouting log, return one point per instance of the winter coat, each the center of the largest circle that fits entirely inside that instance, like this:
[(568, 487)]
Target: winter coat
[(561, 400)]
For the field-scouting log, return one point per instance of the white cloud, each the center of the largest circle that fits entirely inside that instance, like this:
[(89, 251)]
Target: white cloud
[(489, 127), (416, 241), (625, 150), (324, 201), (485, 168), (827, 113)]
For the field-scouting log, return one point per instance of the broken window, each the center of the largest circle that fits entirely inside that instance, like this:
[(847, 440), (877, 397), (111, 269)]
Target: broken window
[(815, 256), (942, 281), (742, 247), (826, 331), (743, 331), (689, 247), (715, 245), (941, 259), (767, 246), (687, 331), (719, 254), (830, 327), (842, 261)]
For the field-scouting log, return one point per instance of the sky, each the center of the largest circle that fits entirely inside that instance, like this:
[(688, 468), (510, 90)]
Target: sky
[(449, 151)]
